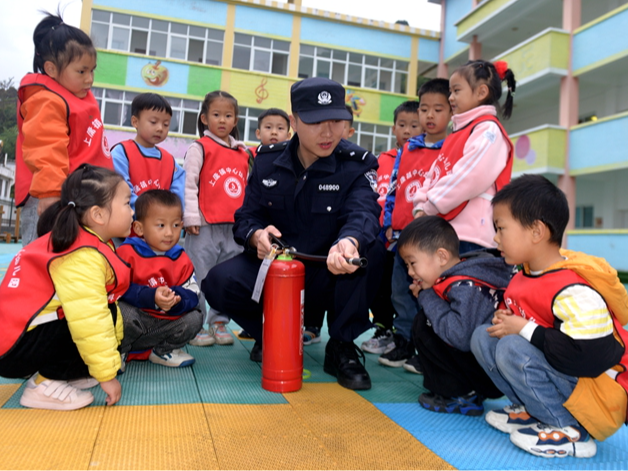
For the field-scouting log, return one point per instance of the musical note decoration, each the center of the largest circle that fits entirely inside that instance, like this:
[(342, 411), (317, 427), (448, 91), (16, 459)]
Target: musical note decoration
[(260, 92)]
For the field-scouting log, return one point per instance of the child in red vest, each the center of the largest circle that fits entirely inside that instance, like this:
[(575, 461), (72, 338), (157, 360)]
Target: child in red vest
[(405, 125), (160, 308), (59, 123), (408, 176), (456, 295), (476, 158), (58, 309), (143, 164), (557, 348), (217, 167)]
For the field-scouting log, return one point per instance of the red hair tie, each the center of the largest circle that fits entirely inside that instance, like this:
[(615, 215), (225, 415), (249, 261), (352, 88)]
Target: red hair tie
[(501, 67)]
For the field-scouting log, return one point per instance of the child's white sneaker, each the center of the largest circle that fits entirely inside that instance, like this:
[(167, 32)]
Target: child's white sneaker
[(84, 383), (204, 338), (221, 334), (549, 442), (510, 418), (54, 395), (175, 359)]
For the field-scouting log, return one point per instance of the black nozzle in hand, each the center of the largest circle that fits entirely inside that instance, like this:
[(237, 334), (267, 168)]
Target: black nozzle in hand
[(358, 262)]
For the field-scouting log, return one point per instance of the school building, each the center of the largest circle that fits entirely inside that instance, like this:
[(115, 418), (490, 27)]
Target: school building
[(569, 58), (570, 118), (255, 50)]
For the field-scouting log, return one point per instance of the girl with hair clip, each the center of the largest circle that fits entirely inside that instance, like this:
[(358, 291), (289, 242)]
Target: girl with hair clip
[(476, 159), (58, 311), (216, 170), (59, 122)]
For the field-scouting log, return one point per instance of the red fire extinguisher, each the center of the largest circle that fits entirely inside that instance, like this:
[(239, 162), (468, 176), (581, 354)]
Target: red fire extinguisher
[(282, 345)]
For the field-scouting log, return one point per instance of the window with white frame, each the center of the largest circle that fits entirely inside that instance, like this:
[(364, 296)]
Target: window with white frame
[(159, 38), (354, 69), (115, 108), (260, 54), (373, 137), (247, 123)]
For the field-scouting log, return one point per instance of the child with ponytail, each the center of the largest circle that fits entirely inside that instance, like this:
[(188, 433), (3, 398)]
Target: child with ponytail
[(216, 170), (476, 159), (59, 317), (59, 122)]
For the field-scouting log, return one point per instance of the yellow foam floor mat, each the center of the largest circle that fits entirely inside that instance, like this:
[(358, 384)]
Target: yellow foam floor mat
[(323, 426)]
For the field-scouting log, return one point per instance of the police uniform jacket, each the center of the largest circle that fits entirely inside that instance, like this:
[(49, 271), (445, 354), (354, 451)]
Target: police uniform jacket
[(335, 197)]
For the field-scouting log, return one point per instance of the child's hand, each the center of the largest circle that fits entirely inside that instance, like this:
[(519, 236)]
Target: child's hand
[(420, 213), (113, 390), (193, 230), (389, 234), (499, 314), (45, 203), (165, 298), (504, 323), (415, 288)]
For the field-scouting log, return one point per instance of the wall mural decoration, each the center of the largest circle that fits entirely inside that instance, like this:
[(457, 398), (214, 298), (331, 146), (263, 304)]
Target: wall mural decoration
[(356, 102), (260, 92), (155, 75), (524, 151)]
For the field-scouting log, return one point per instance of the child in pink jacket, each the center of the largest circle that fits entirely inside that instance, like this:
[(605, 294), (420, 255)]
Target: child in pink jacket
[(476, 159)]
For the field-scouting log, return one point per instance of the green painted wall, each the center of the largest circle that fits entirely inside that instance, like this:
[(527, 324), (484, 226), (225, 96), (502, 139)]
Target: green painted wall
[(111, 69), (202, 80), (387, 106)]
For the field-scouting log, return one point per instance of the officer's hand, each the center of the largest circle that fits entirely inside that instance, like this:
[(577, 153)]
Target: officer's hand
[(336, 262), (261, 240)]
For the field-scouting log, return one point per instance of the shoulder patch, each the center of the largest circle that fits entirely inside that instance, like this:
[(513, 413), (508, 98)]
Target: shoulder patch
[(371, 176), (280, 146)]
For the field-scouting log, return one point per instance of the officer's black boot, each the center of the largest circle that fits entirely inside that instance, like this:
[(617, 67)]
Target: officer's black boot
[(256, 352), (342, 360)]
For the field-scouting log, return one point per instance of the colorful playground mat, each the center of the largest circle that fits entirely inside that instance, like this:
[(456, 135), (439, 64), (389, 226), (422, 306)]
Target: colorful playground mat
[(215, 415)]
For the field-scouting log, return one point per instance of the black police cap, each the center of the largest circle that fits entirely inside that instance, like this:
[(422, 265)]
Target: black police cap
[(319, 99)]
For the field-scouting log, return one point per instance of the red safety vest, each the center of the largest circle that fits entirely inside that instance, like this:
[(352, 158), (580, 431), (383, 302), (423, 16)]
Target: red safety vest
[(157, 270), (88, 143), (386, 161), (222, 181), (453, 150), (27, 287), (538, 308), (147, 172), (413, 167)]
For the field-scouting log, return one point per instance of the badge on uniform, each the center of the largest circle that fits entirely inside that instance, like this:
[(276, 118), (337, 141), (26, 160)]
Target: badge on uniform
[(328, 187), (371, 176), (269, 182)]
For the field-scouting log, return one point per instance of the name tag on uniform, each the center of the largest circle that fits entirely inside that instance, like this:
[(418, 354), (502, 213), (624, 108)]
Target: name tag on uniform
[(329, 187)]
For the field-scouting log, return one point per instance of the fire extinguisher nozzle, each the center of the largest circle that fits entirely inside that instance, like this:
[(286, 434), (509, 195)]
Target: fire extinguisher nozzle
[(360, 262)]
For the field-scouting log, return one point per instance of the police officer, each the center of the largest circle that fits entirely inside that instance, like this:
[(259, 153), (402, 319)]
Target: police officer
[(318, 193)]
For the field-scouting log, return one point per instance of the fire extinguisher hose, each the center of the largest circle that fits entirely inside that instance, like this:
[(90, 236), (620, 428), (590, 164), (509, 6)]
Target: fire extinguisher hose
[(360, 262)]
